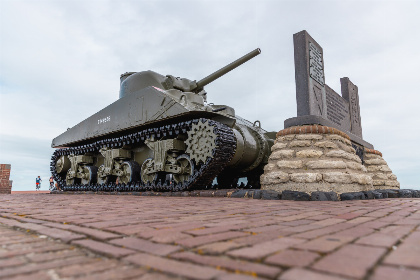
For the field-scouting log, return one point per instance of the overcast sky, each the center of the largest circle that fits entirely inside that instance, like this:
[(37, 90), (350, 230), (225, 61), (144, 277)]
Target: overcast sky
[(60, 62)]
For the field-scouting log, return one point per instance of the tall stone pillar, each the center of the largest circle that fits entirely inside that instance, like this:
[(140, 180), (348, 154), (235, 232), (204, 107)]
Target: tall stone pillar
[(5, 183)]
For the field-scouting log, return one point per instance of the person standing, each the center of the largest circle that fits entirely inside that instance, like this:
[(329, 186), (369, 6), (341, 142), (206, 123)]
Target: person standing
[(38, 182), (51, 183)]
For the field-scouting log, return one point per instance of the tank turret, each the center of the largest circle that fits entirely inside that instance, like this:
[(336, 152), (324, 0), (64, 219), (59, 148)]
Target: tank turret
[(162, 134)]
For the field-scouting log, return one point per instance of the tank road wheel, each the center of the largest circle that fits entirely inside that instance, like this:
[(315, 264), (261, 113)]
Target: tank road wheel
[(71, 178), (89, 174), (147, 165), (187, 169), (62, 164), (102, 178), (201, 142), (131, 170)]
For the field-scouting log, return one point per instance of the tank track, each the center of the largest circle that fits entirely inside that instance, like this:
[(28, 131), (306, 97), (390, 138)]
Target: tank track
[(203, 174)]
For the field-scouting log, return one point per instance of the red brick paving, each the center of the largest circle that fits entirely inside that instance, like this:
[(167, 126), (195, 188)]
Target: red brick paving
[(324, 244), (292, 258), (174, 267), (23, 192), (350, 260), (233, 265), (300, 274), (104, 248), (392, 273), (45, 236)]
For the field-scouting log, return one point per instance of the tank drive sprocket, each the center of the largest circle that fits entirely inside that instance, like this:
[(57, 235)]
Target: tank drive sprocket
[(201, 141)]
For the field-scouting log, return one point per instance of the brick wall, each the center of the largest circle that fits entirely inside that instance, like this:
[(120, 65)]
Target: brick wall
[(5, 183)]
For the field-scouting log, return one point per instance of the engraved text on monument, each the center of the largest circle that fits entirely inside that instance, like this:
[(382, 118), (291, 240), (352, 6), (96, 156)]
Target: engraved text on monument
[(316, 70)]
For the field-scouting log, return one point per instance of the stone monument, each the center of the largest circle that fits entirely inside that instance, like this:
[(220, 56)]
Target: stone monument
[(317, 103), (322, 149)]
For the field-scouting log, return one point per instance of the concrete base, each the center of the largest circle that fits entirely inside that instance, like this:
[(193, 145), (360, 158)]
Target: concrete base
[(381, 174), (314, 158)]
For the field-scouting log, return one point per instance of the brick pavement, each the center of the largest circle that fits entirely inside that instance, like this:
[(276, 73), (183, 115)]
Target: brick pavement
[(46, 236)]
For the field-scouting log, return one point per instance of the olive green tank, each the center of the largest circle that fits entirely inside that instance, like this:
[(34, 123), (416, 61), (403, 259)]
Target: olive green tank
[(162, 135)]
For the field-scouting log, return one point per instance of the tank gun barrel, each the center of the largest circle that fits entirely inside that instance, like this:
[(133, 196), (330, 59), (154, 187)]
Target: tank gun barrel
[(210, 78)]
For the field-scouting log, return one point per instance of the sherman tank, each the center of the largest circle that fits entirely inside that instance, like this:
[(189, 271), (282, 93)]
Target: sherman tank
[(162, 135)]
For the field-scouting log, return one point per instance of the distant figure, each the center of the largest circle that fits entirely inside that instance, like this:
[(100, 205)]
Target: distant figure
[(38, 182), (51, 183)]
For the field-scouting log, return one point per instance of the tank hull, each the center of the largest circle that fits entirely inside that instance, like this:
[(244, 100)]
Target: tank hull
[(143, 108)]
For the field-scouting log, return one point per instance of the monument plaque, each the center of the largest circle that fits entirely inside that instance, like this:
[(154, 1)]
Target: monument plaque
[(317, 103), (309, 75), (316, 70), (337, 109), (350, 93)]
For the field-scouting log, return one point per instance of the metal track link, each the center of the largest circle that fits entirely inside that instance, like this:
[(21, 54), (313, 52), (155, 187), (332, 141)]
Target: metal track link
[(203, 174)]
